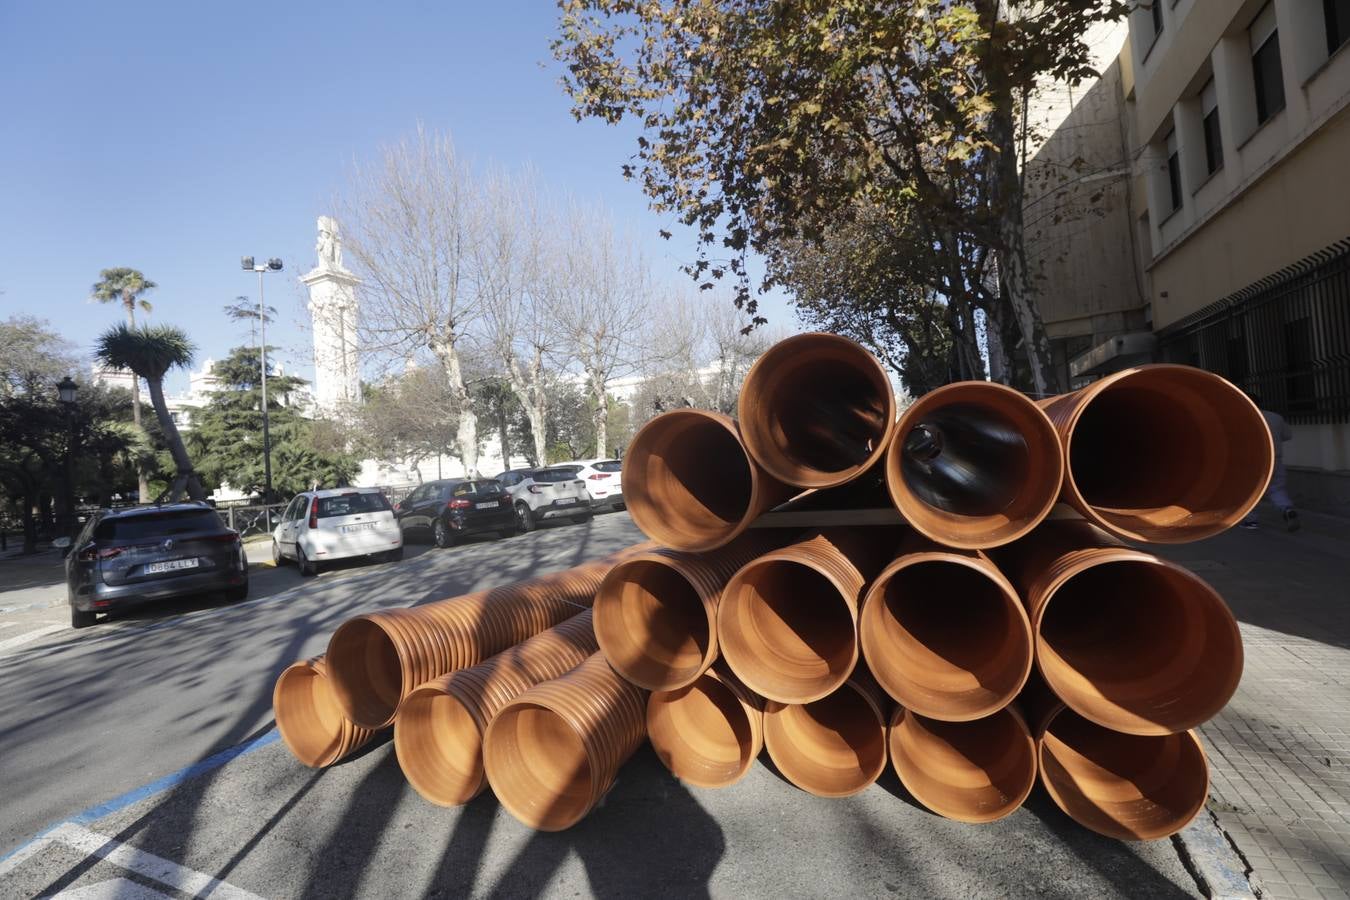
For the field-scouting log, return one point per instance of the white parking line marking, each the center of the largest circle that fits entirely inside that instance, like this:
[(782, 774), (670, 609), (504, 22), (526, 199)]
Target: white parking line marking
[(147, 865), (112, 889), (28, 637)]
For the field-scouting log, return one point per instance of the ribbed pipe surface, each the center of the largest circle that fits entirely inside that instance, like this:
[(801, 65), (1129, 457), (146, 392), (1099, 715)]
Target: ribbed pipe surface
[(1132, 642), (689, 482), (817, 410), (377, 659), (974, 465), (310, 720), (656, 612), (438, 733), (552, 753), (787, 623), (832, 747), (1128, 787), (975, 771), (1162, 453), (707, 733), (945, 633)]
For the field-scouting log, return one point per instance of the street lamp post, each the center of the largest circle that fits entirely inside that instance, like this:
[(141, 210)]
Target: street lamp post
[(65, 391), (272, 265)]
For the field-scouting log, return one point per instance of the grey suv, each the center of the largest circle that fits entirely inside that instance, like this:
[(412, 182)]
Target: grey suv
[(125, 557)]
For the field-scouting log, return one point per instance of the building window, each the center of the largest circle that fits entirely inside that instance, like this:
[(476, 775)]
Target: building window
[(1265, 44), (1337, 15), (1173, 170), (1209, 111)]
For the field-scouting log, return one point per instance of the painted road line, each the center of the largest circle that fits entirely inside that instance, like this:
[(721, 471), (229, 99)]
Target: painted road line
[(28, 637), (147, 865)]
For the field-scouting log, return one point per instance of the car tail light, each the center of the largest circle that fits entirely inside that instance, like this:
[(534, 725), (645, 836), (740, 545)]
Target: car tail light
[(599, 476), (91, 553), (459, 504), (230, 537), (314, 513), (536, 489)]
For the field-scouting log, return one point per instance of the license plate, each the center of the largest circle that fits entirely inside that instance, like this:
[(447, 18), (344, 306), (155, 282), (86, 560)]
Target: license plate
[(364, 526), (170, 565), (563, 501), (491, 504)]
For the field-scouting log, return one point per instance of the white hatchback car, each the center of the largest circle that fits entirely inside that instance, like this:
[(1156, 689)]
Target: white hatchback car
[(338, 523), (603, 477)]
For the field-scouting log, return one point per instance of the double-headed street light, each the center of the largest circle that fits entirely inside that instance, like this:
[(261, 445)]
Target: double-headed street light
[(272, 265), (65, 391)]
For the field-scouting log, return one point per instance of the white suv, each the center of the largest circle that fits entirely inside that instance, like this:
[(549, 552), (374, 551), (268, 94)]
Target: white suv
[(321, 526), (603, 478), (549, 493)]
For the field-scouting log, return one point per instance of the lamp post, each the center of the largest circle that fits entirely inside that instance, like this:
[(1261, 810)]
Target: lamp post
[(65, 392), (272, 265)]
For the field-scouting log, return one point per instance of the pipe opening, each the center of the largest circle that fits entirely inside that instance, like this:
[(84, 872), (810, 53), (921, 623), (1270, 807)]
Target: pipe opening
[(1140, 646), (966, 459), (1129, 787), (654, 629), (1169, 455), (786, 632), (831, 747), (702, 733), (946, 640), (540, 771), (976, 771), (439, 747), (366, 674), (308, 715), (688, 480)]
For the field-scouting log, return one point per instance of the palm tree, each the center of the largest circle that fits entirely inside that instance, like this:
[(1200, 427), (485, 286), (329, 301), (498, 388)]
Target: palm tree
[(150, 352), (125, 286)]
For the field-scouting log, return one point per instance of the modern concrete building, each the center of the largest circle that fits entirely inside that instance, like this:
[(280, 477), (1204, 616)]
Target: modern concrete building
[(1193, 205)]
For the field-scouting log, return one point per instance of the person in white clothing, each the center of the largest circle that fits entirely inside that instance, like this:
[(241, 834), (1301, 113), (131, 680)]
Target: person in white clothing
[(1277, 492)]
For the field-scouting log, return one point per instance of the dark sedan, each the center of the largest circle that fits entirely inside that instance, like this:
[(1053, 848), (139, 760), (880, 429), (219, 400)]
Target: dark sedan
[(448, 510), (126, 557)]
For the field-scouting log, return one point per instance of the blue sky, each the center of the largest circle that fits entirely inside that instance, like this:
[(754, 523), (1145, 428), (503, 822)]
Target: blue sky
[(177, 137)]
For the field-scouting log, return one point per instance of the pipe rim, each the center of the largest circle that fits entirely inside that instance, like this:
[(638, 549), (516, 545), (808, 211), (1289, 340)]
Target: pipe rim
[(312, 734), (976, 532), (527, 803), (360, 701), (680, 756), (428, 762), (781, 747)]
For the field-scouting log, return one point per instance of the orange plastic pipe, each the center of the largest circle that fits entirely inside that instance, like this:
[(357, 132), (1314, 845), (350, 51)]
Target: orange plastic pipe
[(707, 733), (438, 733), (832, 747), (817, 410), (945, 633), (377, 659), (690, 484), (656, 612), (1162, 453), (974, 465), (552, 753), (787, 623), (1132, 642), (1128, 787), (975, 771), (311, 722)]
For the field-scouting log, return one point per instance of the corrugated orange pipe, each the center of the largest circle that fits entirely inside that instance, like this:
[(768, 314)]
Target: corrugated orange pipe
[(707, 733), (377, 659), (1128, 787), (787, 623), (974, 465), (309, 718), (834, 746), (945, 633), (552, 753), (690, 484), (817, 410), (1162, 453), (1132, 642), (438, 733), (974, 771), (656, 612)]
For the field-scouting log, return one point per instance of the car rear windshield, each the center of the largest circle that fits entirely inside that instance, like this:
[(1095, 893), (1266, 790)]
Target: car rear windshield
[(608, 465), (467, 488), (552, 475), (350, 504), (157, 525)]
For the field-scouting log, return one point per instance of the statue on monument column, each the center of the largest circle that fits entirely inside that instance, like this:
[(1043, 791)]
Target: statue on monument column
[(329, 246)]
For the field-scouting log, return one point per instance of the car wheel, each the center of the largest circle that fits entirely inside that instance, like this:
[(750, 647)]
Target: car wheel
[(277, 558), (81, 619), (441, 535), (524, 518), (237, 594), (508, 533), (307, 568)]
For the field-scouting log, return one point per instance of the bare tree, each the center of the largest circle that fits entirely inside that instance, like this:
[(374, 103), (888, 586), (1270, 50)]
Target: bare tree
[(411, 222), (734, 348)]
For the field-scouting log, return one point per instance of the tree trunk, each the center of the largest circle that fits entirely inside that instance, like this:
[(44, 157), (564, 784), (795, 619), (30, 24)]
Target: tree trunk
[(601, 415), (503, 427), (182, 464), (534, 399), (29, 523), (467, 433), (143, 482)]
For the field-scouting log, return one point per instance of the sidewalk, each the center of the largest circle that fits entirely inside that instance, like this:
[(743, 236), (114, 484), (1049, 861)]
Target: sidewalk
[(1280, 752)]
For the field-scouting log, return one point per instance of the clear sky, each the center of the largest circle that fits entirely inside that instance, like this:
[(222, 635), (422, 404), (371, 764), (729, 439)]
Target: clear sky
[(176, 137)]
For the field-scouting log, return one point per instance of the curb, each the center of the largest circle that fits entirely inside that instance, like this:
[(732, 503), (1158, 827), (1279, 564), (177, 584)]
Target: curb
[(1215, 862)]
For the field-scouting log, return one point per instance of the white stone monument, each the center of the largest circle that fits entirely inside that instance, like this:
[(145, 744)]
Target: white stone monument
[(332, 308)]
